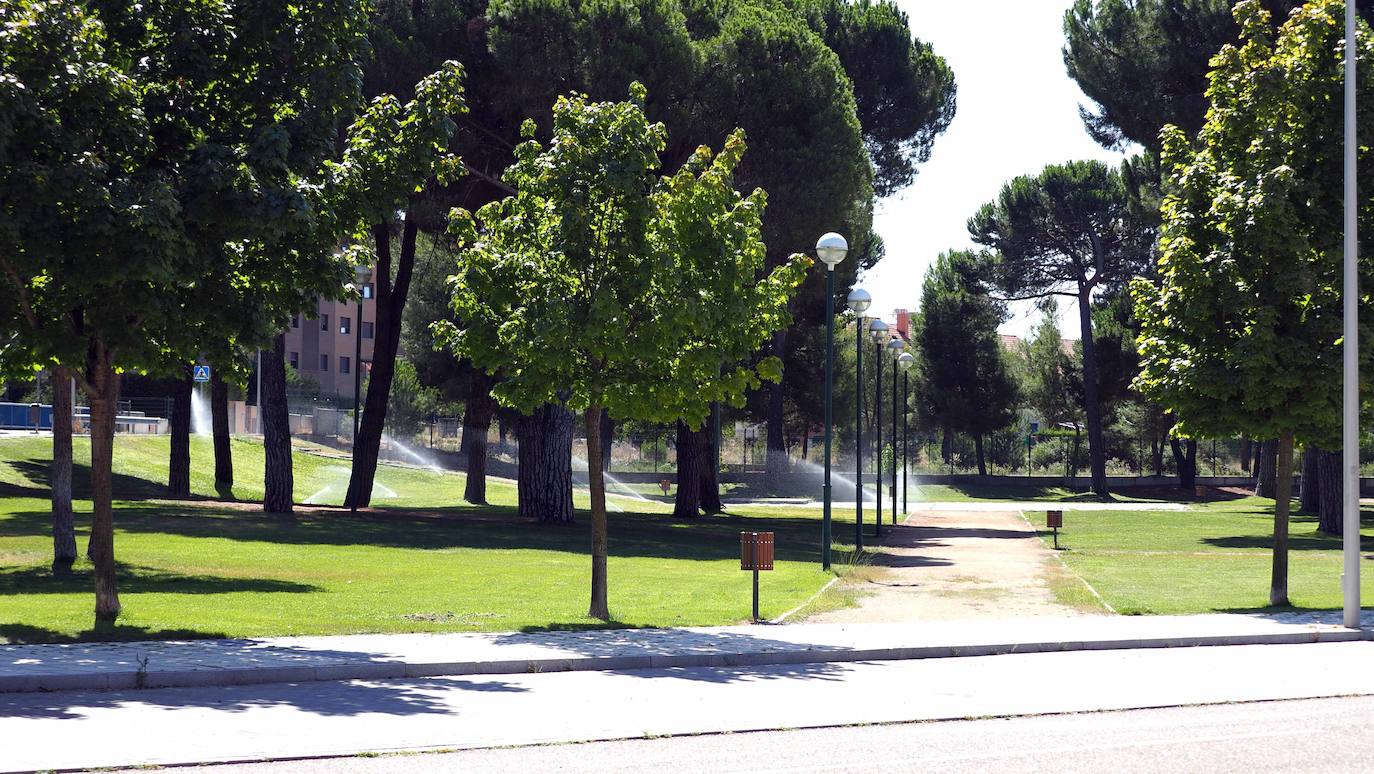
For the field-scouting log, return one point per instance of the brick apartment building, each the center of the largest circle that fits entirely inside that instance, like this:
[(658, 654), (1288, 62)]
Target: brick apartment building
[(322, 347)]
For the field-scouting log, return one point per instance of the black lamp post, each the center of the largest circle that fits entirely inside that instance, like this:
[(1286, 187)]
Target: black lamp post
[(878, 329), (905, 360), (858, 302), (895, 347), (831, 249)]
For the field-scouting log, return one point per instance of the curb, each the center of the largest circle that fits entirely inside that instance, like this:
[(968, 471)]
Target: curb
[(379, 670)]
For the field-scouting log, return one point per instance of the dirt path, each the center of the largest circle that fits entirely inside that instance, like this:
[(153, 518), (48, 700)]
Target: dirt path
[(957, 564)]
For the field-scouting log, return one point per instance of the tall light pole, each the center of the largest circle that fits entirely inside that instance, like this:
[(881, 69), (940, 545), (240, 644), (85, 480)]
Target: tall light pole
[(878, 329), (858, 302), (894, 346), (830, 249), (364, 275), (905, 361), (1350, 447)]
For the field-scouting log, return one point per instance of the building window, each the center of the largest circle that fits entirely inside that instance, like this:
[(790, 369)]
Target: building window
[(366, 329), (324, 363), (295, 358), (345, 325), (343, 364), (324, 323), (295, 321)]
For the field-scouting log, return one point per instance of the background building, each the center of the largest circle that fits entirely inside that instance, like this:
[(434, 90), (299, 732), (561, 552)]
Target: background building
[(322, 348)]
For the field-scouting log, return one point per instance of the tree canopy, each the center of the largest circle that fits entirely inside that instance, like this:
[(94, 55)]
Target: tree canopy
[(965, 385), (602, 285), (1242, 331)]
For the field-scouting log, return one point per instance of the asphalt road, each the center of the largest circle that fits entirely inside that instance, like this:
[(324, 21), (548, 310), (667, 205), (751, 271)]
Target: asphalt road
[(90, 729), (1326, 735)]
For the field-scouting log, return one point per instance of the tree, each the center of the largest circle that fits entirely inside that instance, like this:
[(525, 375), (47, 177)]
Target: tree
[(963, 377), (1241, 333), (60, 481), (196, 137), (1144, 62), (1067, 231), (219, 420), (602, 286), (1049, 373), (544, 482)]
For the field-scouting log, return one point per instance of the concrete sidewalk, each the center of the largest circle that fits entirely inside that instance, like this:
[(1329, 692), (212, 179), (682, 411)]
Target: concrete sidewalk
[(25, 668)]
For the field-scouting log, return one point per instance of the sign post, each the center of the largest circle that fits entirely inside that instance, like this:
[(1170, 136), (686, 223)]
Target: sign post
[(1054, 520), (756, 553)]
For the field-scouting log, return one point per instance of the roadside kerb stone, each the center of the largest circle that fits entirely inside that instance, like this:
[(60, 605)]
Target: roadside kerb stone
[(163, 664)]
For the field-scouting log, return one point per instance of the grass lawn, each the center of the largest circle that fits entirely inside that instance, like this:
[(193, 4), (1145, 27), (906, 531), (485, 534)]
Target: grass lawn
[(203, 569), (1214, 557), (1012, 490)]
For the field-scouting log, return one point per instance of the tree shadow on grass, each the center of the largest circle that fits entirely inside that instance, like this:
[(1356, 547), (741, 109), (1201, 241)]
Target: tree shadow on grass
[(124, 486), (25, 634), (1314, 542), (631, 535), (136, 579)]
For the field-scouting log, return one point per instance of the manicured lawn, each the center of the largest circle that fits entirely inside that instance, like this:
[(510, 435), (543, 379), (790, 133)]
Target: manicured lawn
[(1213, 557), (1013, 490), (207, 569)]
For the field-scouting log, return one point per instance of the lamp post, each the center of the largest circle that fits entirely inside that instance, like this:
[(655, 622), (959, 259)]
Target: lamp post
[(878, 330), (858, 302), (895, 346), (905, 360), (830, 249), (364, 275), (1350, 389)]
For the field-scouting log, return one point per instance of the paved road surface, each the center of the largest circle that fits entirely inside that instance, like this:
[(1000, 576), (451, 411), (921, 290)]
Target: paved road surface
[(1318, 735), (187, 725)]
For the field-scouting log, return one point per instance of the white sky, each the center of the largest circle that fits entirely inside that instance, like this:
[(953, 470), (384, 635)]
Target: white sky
[(1017, 112)]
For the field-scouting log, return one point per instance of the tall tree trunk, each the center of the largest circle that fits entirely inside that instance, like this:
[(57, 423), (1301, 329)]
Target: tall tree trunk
[(1092, 409), (776, 458), (477, 415), (1157, 455), (607, 441), (219, 421), (1309, 490), (1185, 461), (179, 465), (597, 484), (693, 449), (978, 445), (276, 431), (103, 384), (1283, 492), (1330, 509), (544, 480), (946, 447), (390, 304), (60, 478), (1245, 444), (710, 481), (1267, 469)]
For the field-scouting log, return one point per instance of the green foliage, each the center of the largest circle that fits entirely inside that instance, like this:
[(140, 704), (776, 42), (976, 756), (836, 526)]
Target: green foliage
[(600, 284), (1064, 231), (410, 403), (904, 94), (1051, 383), (1242, 332), (1144, 62), (964, 383)]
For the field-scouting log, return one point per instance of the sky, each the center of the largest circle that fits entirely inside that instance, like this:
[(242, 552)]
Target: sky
[(1017, 111)]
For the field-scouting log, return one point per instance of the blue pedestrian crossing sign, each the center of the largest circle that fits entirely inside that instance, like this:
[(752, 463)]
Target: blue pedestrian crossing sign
[(200, 373)]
